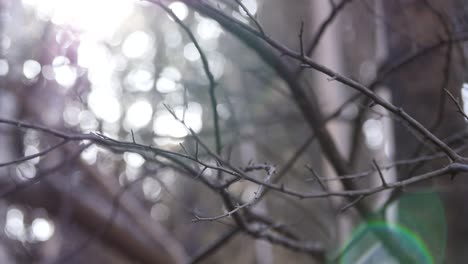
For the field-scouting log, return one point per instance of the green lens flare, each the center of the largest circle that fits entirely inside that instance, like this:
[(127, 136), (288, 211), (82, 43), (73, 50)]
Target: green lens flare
[(368, 250), (418, 225)]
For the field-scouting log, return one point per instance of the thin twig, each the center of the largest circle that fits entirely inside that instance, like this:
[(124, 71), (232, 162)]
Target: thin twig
[(384, 183), (36, 155), (336, 9), (317, 177), (301, 39), (206, 68), (458, 104), (339, 163), (251, 17), (215, 245), (351, 204)]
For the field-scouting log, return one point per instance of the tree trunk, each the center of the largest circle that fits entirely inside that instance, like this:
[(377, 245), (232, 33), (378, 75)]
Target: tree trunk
[(418, 87)]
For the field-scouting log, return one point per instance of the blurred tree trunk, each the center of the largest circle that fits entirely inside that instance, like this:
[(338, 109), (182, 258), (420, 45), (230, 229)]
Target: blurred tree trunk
[(282, 21), (418, 87)]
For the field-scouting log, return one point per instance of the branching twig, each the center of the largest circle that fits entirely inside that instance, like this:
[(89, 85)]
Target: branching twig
[(301, 39), (458, 104), (206, 68), (336, 9), (269, 170), (215, 245), (215, 14), (317, 177), (36, 155), (352, 203), (384, 183), (251, 17)]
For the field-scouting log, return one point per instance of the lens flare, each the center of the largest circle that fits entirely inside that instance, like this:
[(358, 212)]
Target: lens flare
[(418, 224), (366, 249)]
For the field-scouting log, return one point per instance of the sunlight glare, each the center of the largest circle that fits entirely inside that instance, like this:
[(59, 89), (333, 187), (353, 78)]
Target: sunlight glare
[(97, 59), (85, 15)]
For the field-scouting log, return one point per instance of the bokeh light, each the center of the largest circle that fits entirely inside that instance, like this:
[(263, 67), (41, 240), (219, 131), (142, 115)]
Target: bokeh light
[(133, 160), (138, 115), (64, 73), (179, 9), (31, 69), (32, 150), (191, 53), (139, 80), (14, 226), (151, 189), (166, 125), (4, 67), (160, 212), (208, 29), (104, 105), (373, 131), (166, 85), (42, 229), (250, 5), (137, 44), (464, 92), (26, 171)]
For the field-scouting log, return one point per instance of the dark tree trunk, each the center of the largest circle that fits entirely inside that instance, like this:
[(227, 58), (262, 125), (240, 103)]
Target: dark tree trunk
[(418, 87)]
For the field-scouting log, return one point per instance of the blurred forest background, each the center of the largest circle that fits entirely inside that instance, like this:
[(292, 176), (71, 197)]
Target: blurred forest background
[(233, 131)]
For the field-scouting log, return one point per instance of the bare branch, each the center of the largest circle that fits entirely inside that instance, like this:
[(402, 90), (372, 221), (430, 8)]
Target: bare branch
[(36, 155), (317, 177), (458, 104), (251, 17), (384, 183), (215, 245), (352, 203)]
